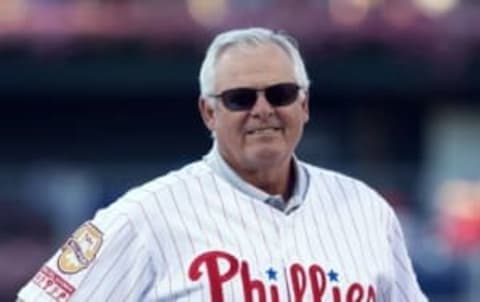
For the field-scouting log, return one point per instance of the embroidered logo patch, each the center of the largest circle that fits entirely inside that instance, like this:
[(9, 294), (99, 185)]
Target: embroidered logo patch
[(80, 249), (53, 284)]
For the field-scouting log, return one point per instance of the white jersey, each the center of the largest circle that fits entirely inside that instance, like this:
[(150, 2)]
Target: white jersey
[(193, 236)]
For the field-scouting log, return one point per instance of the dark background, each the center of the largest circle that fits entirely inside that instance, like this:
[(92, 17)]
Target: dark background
[(100, 96)]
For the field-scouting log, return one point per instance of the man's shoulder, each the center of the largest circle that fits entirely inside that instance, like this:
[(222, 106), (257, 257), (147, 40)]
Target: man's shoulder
[(331, 175), (345, 188), (163, 185), (342, 181)]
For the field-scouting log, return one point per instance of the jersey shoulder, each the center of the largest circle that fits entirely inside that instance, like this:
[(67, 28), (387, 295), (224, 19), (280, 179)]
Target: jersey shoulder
[(350, 188), (327, 175), (161, 187)]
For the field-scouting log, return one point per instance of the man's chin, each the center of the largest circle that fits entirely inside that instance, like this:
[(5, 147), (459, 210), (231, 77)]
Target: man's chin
[(266, 155)]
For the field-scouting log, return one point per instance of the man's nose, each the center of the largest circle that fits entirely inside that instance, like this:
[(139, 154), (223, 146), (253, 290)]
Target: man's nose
[(262, 107)]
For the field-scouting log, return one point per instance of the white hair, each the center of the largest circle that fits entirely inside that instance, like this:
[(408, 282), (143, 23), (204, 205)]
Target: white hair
[(248, 37)]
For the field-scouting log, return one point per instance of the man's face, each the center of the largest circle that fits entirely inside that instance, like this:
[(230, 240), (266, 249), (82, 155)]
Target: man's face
[(263, 136)]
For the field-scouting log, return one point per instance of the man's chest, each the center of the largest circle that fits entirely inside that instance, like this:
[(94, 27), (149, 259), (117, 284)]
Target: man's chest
[(246, 252)]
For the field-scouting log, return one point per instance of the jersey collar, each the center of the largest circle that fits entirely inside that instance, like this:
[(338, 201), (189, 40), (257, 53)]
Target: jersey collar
[(216, 162)]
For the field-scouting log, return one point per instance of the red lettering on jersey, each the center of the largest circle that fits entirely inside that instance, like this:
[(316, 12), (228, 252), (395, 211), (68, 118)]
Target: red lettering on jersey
[(221, 267), (319, 282), (53, 284), (299, 282), (216, 278), (251, 286), (371, 296), (355, 293), (274, 293), (336, 294)]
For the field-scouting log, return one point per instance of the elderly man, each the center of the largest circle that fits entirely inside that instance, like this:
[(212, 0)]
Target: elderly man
[(248, 222)]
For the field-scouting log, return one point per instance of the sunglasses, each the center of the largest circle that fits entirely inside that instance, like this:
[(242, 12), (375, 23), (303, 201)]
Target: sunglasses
[(244, 98)]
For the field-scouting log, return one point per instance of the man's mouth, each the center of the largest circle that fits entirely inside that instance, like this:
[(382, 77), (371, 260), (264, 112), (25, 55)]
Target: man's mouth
[(265, 130)]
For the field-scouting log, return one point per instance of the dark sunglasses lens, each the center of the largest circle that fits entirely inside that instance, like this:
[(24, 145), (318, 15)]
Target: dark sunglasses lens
[(239, 99), (282, 94)]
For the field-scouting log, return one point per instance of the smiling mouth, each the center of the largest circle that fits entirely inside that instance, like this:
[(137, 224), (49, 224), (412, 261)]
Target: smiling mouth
[(268, 130)]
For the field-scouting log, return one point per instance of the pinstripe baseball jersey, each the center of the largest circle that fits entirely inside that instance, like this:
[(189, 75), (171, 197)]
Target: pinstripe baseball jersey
[(201, 234)]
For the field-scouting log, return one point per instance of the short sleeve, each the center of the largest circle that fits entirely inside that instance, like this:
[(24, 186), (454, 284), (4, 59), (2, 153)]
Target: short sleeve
[(404, 287), (103, 260)]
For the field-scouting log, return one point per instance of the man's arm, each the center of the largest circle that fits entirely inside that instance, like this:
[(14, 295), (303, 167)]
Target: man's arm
[(97, 263), (404, 285)]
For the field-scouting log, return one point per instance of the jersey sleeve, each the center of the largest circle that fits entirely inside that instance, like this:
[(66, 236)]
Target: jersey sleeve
[(404, 287), (105, 259)]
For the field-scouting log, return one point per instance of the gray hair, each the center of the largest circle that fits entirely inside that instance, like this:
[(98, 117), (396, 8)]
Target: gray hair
[(248, 37)]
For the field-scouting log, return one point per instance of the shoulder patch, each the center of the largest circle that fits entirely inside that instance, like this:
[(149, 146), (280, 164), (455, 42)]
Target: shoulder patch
[(53, 284), (80, 249)]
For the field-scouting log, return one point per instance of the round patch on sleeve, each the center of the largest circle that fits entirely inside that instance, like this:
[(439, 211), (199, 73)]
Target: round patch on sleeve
[(80, 249)]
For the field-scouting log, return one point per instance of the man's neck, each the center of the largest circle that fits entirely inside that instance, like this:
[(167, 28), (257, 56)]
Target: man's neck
[(278, 180)]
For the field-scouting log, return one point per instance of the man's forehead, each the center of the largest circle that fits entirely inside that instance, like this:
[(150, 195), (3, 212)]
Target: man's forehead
[(253, 64)]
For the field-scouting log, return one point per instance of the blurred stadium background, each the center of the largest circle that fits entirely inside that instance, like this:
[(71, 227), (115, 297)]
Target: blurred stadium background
[(97, 96)]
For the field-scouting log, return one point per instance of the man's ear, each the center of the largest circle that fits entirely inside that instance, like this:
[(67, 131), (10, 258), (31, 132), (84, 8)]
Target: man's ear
[(306, 107), (207, 112)]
